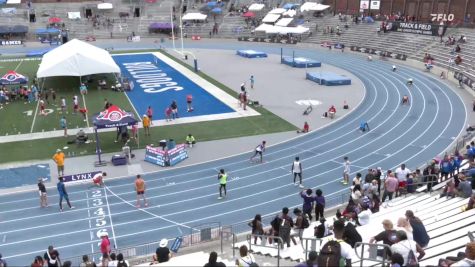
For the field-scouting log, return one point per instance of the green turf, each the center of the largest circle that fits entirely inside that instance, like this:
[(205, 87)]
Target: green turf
[(203, 131)]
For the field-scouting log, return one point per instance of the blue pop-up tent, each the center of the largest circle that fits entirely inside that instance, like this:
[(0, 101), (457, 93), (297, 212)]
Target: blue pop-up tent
[(290, 6), (216, 10), (111, 118)]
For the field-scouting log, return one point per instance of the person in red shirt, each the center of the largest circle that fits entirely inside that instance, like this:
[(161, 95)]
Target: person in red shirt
[(105, 249), (306, 128), (331, 112), (189, 100), (98, 179), (83, 111)]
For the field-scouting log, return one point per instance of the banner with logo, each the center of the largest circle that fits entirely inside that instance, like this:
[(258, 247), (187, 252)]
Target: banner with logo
[(364, 4), (375, 4), (81, 177), (378, 52), (267, 40), (156, 156), (418, 28), (11, 42), (465, 80), (177, 154)]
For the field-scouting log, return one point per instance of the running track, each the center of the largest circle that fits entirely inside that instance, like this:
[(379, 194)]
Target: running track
[(184, 197)]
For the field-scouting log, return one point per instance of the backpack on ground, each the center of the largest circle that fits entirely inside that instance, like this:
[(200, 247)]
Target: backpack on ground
[(330, 255)]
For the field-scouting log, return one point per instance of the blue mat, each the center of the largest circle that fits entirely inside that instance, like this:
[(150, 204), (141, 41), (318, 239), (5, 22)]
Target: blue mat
[(328, 78), (38, 53), (14, 177), (251, 53), (301, 62), (157, 84)]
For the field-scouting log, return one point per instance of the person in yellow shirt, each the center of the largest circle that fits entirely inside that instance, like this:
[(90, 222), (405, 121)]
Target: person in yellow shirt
[(146, 124), (58, 158), (190, 140)]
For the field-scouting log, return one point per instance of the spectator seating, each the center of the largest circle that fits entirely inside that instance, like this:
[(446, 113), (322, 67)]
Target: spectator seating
[(192, 259), (443, 218)]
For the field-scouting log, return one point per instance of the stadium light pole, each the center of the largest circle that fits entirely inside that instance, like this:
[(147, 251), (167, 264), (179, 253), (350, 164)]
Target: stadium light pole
[(181, 30)]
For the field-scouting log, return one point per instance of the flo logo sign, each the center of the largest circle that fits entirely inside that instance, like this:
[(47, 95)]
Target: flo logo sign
[(442, 17)]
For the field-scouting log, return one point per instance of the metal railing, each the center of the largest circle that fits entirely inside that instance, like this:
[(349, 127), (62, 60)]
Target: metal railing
[(374, 250), (314, 244), (198, 234), (330, 202), (280, 243)]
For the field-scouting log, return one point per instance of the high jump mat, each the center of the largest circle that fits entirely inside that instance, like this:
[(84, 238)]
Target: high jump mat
[(250, 53), (328, 78), (301, 62)]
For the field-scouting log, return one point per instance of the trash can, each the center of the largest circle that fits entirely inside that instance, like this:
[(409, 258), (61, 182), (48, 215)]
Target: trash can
[(171, 144)]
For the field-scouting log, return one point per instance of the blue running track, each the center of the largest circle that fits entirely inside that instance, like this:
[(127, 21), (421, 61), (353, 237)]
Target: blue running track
[(184, 197)]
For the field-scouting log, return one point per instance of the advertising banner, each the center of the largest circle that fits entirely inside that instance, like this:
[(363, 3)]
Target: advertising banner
[(364, 4), (418, 28), (81, 177), (177, 154), (155, 155), (465, 80), (375, 4)]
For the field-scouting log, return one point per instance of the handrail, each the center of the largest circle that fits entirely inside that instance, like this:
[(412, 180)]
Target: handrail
[(313, 245), (373, 252), (280, 243), (471, 236)]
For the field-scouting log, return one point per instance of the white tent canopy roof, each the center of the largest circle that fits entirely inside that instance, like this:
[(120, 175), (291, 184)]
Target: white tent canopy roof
[(105, 6), (284, 22), (281, 30), (271, 18), (277, 11), (256, 7), (13, 2), (264, 28), (194, 16), (312, 6), (289, 13), (74, 15), (76, 58)]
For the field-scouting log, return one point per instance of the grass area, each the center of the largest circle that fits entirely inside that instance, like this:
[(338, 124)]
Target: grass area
[(203, 131)]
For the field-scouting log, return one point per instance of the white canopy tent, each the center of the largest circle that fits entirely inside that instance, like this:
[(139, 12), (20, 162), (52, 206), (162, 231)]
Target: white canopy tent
[(312, 6), (76, 58), (264, 28), (74, 15), (277, 11), (256, 7), (290, 13), (103, 6), (13, 2), (271, 29), (271, 18), (284, 22), (194, 16)]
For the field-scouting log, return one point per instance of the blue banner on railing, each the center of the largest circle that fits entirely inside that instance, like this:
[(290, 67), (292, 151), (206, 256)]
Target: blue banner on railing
[(176, 244)]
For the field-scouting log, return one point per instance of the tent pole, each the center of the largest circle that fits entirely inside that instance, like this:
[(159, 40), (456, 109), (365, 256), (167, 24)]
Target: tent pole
[(138, 138)]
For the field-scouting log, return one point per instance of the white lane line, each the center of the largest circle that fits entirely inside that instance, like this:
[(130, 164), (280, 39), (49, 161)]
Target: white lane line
[(110, 218), (148, 212), (34, 117), (4, 239), (91, 234), (85, 106)]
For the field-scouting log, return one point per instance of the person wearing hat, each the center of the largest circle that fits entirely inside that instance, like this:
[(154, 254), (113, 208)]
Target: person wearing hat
[(42, 192), (58, 158), (146, 124), (105, 248), (162, 254)]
